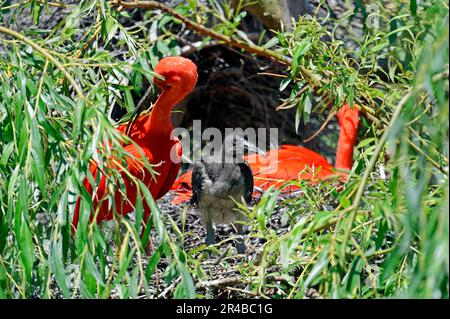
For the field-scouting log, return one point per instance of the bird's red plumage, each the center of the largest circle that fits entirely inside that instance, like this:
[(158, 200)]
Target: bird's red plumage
[(152, 133), (291, 162)]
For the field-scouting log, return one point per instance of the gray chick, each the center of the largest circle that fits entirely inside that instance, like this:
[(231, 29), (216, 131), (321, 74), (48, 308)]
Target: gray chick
[(220, 178)]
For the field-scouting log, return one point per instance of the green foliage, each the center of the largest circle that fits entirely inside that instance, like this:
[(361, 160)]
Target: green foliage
[(48, 138), (395, 243)]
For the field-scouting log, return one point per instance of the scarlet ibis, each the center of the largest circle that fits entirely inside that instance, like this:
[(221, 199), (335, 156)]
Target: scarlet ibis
[(218, 181), (152, 133), (291, 162)]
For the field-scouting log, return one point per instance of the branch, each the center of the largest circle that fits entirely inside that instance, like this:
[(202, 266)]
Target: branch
[(312, 77)]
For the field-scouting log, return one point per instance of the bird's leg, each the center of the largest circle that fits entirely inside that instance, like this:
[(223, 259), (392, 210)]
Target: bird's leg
[(240, 245), (209, 232)]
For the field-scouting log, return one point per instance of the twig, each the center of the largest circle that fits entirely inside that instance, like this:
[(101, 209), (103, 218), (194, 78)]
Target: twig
[(236, 280), (188, 50), (243, 291), (273, 74), (222, 256), (53, 4), (172, 285), (322, 127)]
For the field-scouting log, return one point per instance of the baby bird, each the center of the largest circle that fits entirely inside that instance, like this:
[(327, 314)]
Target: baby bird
[(218, 180)]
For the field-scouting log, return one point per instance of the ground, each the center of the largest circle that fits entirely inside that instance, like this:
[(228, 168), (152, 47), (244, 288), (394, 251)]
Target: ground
[(225, 272)]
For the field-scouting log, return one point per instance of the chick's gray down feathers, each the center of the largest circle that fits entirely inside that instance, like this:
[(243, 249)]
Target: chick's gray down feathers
[(214, 183)]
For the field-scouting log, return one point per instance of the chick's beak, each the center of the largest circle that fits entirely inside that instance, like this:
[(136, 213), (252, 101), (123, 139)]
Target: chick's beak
[(250, 147)]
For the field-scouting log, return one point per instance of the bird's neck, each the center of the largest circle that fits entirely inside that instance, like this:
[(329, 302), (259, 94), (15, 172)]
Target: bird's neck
[(349, 123), (159, 123)]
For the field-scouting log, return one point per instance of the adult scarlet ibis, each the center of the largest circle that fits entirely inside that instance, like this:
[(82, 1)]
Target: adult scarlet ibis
[(152, 133), (291, 162), (218, 180)]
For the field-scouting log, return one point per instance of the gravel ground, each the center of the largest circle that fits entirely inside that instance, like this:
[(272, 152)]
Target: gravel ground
[(224, 271)]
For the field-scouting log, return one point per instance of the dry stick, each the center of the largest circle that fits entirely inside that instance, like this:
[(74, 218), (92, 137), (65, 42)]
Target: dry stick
[(284, 105), (273, 74), (47, 55), (170, 287)]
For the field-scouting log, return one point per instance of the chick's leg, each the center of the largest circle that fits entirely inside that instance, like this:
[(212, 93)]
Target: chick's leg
[(209, 232), (240, 245)]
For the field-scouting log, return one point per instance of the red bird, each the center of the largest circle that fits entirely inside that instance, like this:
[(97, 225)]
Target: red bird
[(152, 133), (291, 162)]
